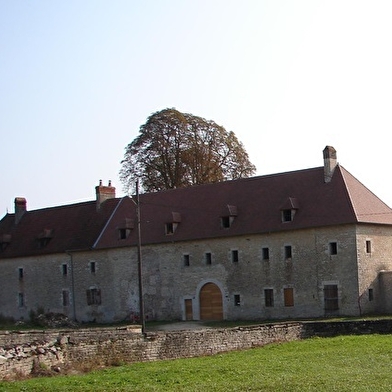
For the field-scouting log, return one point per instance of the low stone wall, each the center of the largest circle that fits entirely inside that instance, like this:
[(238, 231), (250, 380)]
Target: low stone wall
[(25, 352)]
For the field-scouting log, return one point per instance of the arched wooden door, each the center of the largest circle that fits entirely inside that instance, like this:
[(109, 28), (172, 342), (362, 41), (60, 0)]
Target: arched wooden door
[(211, 306)]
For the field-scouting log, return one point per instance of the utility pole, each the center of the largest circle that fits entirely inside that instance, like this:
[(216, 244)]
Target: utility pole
[(139, 259)]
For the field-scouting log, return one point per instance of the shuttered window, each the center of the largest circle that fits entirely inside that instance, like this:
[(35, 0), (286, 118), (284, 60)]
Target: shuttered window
[(331, 300), (288, 296)]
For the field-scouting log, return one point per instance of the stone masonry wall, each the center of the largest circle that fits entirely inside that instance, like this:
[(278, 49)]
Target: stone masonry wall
[(23, 352)]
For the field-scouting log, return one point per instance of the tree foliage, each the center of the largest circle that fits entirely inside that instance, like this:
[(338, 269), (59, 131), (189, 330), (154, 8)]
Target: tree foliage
[(175, 149)]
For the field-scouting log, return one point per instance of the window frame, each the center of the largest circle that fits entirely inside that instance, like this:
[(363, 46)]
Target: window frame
[(94, 296), (269, 298), (333, 248), (288, 296), (331, 301), (265, 253), (288, 252)]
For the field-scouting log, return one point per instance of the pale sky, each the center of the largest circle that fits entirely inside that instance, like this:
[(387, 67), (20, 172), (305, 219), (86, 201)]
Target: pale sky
[(288, 77)]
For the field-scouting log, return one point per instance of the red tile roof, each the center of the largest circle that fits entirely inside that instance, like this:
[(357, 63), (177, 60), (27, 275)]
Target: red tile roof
[(257, 203)]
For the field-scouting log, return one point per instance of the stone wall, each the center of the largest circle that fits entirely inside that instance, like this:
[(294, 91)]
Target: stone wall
[(23, 353)]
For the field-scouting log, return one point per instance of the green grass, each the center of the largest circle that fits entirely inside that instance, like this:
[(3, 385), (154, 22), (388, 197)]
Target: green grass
[(345, 363)]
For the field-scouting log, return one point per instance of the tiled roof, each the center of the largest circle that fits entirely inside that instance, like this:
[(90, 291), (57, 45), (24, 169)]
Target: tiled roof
[(75, 226), (254, 205)]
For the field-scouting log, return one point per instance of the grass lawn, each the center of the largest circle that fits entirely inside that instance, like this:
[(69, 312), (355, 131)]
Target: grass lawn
[(345, 363)]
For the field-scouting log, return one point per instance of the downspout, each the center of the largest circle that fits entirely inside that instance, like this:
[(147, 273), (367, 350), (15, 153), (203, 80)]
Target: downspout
[(68, 252)]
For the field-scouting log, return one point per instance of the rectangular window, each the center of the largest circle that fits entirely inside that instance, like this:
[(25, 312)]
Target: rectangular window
[(21, 301), (331, 300), (93, 297), (265, 253), (237, 300), (20, 273), (333, 248), (92, 267), (186, 260), (208, 257), (287, 216), (124, 233), (226, 222), (288, 294), (234, 256), (368, 246), (64, 269), (371, 295), (269, 297), (169, 228), (287, 252), (65, 297)]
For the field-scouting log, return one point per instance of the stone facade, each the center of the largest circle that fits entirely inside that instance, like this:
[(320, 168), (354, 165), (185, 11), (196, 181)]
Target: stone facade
[(309, 243)]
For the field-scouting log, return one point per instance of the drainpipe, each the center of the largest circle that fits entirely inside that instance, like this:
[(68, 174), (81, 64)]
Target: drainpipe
[(68, 252)]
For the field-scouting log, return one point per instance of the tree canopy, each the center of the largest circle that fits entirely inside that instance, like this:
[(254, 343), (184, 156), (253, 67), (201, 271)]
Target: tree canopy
[(175, 150)]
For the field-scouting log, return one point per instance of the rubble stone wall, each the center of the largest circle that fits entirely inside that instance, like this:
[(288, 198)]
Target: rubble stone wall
[(23, 352)]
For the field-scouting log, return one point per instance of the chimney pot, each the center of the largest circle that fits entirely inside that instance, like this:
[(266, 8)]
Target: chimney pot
[(104, 193)]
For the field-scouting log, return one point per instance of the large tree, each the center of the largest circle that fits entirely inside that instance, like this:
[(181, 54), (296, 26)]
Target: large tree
[(175, 149)]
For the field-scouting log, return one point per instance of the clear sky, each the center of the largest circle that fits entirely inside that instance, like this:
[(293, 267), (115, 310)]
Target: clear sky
[(288, 77)]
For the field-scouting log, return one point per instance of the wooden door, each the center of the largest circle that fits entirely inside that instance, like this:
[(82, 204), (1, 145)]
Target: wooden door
[(188, 309), (211, 306)]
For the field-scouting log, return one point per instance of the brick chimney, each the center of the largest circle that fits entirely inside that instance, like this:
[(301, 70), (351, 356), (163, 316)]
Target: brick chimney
[(330, 162), (20, 208), (104, 193)]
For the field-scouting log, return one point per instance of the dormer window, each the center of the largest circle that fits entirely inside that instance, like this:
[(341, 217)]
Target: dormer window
[(172, 225), (124, 230), (287, 215), (44, 237), (228, 217), (5, 240), (288, 209)]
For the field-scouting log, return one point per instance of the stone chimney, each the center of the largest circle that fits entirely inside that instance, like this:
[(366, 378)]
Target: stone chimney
[(20, 208), (330, 162), (104, 193)]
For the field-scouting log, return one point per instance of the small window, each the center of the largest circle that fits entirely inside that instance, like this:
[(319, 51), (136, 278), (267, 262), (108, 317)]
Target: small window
[(288, 294), (288, 252), (64, 269), (234, 256), (124, 233), (269, 298), (20, 273), (265, 253), (42, 242), (237, 300), (93, 296), (208, 258), (287, 216), (93, 267), (65, 297), (186, 259), (225, 220), (333, 248), (371, 295), (331, 300), (368, 246), (169, 228), (21, 301)]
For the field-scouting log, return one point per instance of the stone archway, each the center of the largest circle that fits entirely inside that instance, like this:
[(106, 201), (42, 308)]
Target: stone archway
[(211, 304)]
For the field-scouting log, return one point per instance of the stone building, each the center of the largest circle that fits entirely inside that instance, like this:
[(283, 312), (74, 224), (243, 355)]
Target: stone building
[(307, 243)]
